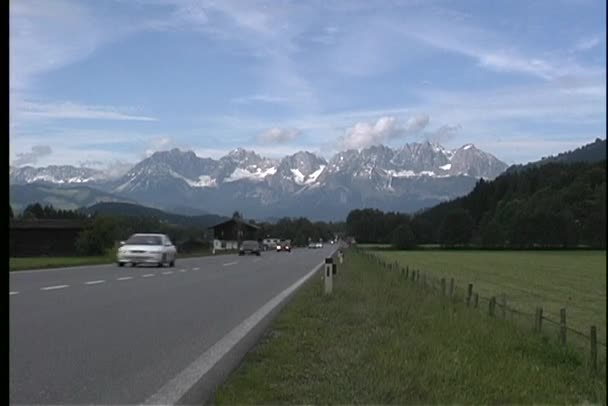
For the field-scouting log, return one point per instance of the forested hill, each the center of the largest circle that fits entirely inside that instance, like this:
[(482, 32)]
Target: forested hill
[(590, 153), (555, 204)]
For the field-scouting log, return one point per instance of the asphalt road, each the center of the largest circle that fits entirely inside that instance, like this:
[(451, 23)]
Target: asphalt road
[(108, 335)]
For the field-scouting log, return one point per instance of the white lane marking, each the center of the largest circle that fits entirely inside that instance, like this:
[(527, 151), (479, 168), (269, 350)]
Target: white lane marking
[(94, 282), (167, 272), (147, 275), (124, 278), (195, 269), (175, 389), (230, 263), (55, 287), (13, 293), (182, 270)]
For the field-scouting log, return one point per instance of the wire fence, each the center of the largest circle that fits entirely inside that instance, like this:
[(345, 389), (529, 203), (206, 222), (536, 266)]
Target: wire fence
[(498, 306)]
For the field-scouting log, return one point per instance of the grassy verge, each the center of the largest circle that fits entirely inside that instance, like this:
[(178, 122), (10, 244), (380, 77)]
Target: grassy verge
[(25, 263), (20, 264), (575, 280), (378, 340)]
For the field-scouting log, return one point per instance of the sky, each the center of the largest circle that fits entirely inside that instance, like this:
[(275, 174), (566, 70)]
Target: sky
[(107, 83)]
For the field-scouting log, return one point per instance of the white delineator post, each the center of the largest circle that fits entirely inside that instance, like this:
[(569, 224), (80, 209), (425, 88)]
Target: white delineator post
[(328, 275), (341, 256)]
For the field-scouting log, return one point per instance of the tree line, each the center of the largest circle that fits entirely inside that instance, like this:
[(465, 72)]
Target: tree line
[(299, 230), (102, 231), (554, 205), (37, 211)]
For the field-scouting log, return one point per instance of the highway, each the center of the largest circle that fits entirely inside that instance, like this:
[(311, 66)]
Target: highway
[(108, 335)]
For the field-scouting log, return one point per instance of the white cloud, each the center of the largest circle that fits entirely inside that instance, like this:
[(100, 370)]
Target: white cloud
[(264, 98), (158, 144), (364, 134), (489, 48), (48, 35), (585, 44), (69, 110), (278, 136), (416, 123), (36, 153), (443, 133)]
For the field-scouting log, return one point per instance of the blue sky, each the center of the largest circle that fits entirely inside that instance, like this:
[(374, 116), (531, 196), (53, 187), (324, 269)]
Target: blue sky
[(106, 83)]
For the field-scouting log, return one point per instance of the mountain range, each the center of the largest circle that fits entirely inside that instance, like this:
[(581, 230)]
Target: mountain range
[(407, 178)]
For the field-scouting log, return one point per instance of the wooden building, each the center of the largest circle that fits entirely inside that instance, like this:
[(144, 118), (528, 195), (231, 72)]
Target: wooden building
[(229, 234), (37, 238)]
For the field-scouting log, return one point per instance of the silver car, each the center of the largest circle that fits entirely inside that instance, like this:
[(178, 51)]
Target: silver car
[(156, 249)]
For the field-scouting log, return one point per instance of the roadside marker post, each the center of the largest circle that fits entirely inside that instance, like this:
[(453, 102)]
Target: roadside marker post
[(341, 256), (329, 271)]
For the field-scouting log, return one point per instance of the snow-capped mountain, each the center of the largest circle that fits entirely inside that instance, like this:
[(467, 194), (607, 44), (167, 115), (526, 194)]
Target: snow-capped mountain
[(63, 174), (407, 178)]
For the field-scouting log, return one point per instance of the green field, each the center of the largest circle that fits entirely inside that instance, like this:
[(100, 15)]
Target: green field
[(379, 339), (575, 280)]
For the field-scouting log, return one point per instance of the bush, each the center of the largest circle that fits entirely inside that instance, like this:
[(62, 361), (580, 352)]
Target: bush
[(98, 238)]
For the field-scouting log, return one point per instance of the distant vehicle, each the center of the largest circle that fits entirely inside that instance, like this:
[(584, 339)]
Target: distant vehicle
[(250, 247), (154, 249), (319, 245), (284, 246), (315, 245), (270, 243)]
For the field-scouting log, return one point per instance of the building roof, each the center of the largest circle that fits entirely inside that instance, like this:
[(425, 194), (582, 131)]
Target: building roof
[(225, 223)]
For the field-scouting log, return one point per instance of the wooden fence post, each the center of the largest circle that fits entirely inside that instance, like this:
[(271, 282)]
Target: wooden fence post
[(562, 326), (407, 272), (469, 294), (476, 300), (593, 336), (442, 286), (492, 306)]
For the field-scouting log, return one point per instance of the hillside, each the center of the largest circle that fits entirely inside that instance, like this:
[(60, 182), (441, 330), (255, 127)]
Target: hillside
[(134, 210), (61, 197), (590, 153), (556, 204)]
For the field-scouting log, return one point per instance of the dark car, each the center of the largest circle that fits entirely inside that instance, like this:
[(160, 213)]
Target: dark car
[(284, 246), (250, 247)]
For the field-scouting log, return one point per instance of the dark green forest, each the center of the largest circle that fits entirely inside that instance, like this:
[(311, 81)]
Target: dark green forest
[(549, 206)]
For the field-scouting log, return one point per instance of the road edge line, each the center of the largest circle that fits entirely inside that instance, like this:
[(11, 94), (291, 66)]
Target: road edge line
[(174, 390)]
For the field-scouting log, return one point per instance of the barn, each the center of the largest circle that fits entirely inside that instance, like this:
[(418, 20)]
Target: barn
[(37, 238), (229, 234)]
